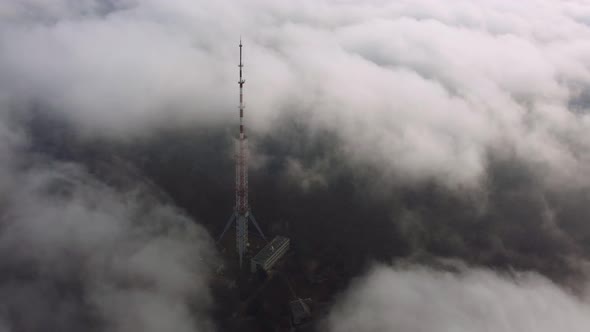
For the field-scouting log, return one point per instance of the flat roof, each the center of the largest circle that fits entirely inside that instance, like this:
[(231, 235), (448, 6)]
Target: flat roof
[(270, 249)]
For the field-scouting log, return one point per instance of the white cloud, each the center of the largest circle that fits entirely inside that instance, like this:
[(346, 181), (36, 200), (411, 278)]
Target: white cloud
[(418, 299), (76, 253), (424, 89)]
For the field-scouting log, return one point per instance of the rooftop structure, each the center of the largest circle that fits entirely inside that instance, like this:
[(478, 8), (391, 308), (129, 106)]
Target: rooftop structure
[(270, 254)]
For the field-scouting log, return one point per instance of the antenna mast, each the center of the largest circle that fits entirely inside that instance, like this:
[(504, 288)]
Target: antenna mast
[(242, 211), (242, 153)]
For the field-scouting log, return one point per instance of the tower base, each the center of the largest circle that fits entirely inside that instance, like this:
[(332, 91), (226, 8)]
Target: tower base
[(241, 221)]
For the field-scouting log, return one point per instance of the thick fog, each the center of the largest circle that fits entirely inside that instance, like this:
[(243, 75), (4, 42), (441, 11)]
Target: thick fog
[(379, 129)]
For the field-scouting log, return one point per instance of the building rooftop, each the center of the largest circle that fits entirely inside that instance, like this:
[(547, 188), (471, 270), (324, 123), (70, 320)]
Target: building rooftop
[(266, 252)]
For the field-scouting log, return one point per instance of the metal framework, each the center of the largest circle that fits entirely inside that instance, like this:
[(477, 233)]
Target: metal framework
[(242, 213)]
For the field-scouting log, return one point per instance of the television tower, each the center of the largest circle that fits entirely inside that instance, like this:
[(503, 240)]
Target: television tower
[(242, 213)]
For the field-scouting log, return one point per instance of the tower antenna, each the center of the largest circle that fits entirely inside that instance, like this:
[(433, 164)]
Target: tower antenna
[(242, 213)]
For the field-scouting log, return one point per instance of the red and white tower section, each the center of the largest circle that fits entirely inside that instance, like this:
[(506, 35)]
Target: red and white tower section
[(242, 153), (242, 214)]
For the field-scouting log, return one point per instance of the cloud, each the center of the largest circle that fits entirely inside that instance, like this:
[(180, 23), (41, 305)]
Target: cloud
[(490, 97), (79, 254), (422, 89), (354, 97), (416, 299)]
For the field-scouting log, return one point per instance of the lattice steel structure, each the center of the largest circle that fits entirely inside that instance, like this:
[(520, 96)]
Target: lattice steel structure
[(242, 213)]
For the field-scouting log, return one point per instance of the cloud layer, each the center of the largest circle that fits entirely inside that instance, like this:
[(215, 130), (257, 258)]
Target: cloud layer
[(419, 300), (422, 89), (492, 97), (77, 254)]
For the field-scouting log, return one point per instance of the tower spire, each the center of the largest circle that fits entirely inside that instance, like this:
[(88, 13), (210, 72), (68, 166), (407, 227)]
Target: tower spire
[(242, 211), (242, 152), (241, 83)]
